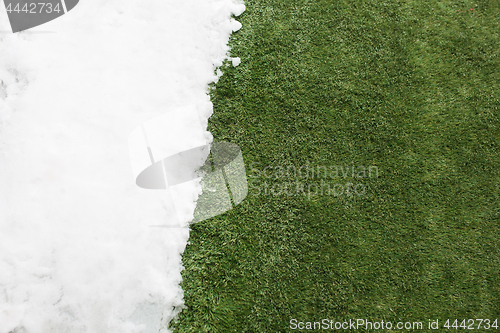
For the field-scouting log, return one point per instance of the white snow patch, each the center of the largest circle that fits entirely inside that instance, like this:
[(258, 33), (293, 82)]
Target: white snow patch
[(77, 253), (235, 25), (236, 61), (238, 9)]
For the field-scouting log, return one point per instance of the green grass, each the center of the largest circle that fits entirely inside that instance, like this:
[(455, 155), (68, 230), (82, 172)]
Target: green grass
[(412, 87)]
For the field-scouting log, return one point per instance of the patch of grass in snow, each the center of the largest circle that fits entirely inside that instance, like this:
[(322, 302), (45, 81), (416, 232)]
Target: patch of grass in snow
[(412, 87)]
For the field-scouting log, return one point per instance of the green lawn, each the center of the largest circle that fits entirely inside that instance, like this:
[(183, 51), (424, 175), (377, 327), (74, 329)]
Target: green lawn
[(409, 87)]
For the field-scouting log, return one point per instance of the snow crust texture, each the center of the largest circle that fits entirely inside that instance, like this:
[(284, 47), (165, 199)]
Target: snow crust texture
[(77, 250)]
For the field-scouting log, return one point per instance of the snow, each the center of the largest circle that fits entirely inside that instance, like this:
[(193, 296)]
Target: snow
[(77, 250), (236, 61)]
